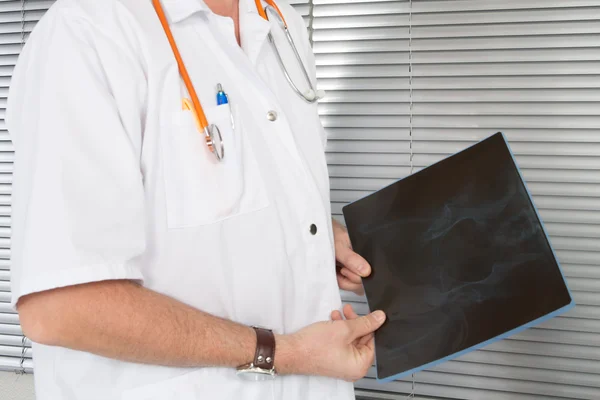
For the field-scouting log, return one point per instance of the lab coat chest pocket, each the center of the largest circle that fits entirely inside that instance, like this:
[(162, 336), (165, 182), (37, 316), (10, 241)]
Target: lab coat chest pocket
[(201, 190)]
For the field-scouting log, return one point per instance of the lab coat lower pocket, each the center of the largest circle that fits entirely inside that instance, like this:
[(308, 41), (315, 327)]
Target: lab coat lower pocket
[(200, 189)]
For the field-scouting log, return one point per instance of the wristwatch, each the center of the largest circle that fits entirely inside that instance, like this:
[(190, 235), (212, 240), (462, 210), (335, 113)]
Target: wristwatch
[(263, 366)]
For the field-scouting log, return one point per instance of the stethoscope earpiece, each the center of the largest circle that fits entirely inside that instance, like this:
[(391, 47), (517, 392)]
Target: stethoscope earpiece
[(311, 96)]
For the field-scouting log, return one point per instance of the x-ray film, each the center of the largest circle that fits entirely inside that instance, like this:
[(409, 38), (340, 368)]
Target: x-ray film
[(460, 259)]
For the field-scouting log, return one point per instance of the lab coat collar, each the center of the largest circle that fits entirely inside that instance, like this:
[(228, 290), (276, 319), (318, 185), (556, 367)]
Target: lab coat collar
[(254, 29), (178, 10)]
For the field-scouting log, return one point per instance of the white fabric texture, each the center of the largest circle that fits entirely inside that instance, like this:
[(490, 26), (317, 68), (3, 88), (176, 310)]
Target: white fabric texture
[(113, 181)]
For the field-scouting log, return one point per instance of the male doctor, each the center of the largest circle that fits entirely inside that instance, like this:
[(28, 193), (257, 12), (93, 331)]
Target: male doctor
[(144, 267)]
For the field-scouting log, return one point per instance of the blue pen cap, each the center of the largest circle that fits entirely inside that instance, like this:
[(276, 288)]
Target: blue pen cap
[(221, 96)]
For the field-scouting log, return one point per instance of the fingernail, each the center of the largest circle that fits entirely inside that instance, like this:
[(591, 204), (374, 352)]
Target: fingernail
[(362, 268), (379, 316)]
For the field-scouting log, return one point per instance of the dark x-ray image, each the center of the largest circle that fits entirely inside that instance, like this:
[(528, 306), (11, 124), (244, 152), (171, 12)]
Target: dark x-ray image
[(459, 256)]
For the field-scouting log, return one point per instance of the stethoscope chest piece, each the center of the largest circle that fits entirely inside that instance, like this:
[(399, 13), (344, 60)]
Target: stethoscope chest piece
[(214, 140)]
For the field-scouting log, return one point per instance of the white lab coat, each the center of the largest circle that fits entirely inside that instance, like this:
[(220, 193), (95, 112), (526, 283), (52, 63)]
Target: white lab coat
[(113, 181)]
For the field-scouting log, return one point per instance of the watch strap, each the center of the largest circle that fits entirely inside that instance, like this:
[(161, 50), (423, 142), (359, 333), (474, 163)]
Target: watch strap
[(265, 349)]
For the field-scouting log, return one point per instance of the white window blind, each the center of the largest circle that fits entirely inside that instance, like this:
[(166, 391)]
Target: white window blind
[(407, 84), (304, 7), (411, 82), (17, 19)]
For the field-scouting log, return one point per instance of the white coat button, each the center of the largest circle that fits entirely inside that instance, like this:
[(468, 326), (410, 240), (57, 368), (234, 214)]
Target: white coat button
[(272, 116), (313, 229)]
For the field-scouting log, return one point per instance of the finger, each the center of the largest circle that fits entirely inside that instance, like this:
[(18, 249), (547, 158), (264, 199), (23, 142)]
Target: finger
[(353, 261), (349, 312), (345, 283), (364, 325), (348, 285), (352, 277), (336, 315)]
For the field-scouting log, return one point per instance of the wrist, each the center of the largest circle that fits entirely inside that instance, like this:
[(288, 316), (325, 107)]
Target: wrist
[(287, 355), (262, 366)]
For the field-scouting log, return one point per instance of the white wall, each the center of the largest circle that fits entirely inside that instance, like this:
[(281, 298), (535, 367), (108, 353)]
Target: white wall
[(16, 387)]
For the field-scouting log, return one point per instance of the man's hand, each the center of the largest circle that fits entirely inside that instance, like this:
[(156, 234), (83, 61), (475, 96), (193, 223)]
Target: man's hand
[(351, 267), (350, 314), (339, 348)]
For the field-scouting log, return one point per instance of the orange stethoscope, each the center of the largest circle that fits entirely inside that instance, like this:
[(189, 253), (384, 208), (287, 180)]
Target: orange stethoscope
[(211, 132)]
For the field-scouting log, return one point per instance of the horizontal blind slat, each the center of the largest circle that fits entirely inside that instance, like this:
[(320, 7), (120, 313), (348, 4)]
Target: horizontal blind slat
[(11, 340), (9, 319), (523, 373), (14, 364), (10, 329), (12, 351), (501, 384), (450, 392)]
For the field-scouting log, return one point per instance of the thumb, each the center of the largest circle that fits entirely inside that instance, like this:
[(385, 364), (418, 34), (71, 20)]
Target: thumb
[(362, 326)]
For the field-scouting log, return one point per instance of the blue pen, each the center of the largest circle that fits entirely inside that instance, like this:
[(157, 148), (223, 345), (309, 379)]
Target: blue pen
[(222, 98)]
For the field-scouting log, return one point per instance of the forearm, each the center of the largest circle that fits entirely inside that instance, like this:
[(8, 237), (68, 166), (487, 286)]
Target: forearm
[(122, 320)]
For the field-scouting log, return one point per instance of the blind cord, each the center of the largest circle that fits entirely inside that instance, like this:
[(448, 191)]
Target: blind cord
[(23, 23), (311, 18), (410, 86), (410, 131), (21, 369)]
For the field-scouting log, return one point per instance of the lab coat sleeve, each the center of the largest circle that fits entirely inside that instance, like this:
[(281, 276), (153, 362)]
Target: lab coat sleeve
[(78, 198)]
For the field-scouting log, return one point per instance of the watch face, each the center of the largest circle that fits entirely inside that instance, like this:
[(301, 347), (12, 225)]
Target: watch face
[(255, 374)]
